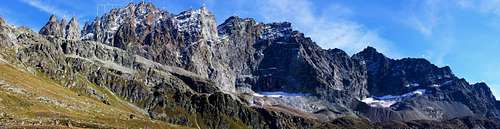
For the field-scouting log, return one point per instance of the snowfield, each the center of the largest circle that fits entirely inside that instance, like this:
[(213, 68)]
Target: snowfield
[(278, 94), (378, 103), (387, 101)]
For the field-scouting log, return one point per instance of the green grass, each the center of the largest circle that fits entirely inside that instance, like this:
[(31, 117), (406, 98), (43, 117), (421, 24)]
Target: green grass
[(87, 110)]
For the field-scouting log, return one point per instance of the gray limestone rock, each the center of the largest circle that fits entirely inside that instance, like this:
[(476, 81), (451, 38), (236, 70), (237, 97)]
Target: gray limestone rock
[(73, 30)]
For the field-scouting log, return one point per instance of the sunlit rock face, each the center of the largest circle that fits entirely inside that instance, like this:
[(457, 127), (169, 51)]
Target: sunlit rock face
[(72, 30), (62, 28), (188, 40)]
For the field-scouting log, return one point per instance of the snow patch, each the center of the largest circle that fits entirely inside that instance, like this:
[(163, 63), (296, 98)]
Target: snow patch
[(275, 30), (435, 85), (188, 21), (88, 36), (413, 85), (389, 100), (277, 94), (378, 103), (447, 82), (403, 96)]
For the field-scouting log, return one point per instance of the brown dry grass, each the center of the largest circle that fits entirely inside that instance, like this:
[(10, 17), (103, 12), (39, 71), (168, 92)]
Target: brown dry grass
[(65, 104)]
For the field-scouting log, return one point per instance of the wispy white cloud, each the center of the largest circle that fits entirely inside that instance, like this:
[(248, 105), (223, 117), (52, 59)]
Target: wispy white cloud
[(7, 15), (433, 20), (425, 16), (47, 8), (489, 6), (329, 27)]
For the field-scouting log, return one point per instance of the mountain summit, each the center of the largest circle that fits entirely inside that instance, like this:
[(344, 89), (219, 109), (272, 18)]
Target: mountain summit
[(156, 68)]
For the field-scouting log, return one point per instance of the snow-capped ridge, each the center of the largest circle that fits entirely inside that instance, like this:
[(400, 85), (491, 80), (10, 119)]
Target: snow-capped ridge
[(277, 29), (143, 17)]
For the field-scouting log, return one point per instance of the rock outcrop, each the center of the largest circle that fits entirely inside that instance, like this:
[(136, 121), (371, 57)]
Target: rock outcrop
[(73, 30), (275, 58), (2, 22), (52, 28), (446, 96), (187, 40), (62, 28)]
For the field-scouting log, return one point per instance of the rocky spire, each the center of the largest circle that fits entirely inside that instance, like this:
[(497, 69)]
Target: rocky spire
[(2, 22), (53, 18), (73, 29), (52, 28), (61, 28), (199, 21)]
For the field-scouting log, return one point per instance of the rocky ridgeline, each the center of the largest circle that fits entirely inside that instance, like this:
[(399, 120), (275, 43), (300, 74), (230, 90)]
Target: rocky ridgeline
[(184, 69), (62, 28), (187, 40)]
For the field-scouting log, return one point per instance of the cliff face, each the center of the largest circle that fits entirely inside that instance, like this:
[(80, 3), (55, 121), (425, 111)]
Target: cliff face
[(183, 69), (187, 40), (62, 28), (444, 96), (273, 57)]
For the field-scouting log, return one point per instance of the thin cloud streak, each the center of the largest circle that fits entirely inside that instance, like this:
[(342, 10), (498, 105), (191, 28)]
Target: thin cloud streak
[(46, 7), (327, 29)]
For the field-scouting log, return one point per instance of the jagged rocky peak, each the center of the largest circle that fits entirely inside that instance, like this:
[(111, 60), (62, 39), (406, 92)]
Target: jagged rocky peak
[(140, 20), (198, 21), (73, 29), (276, 30), (264, 30), (370, 54), (52, 28), (2, 22), (389, 76), (183, 40), (130, 18), (234, 24), (61, 28)]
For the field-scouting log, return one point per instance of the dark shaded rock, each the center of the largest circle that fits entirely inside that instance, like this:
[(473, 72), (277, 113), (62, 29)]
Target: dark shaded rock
[(447, 97), (273, 57)]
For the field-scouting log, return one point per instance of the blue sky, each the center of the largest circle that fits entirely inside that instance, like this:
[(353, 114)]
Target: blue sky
[(463, 34)]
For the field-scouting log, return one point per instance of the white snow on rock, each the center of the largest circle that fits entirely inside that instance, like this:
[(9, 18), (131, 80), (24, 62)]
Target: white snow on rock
[(447, 82), (435, 85), (378, 103), (275, 30), (189, 21), (413, 85), (88, 36), (278, 94), (389, 100)]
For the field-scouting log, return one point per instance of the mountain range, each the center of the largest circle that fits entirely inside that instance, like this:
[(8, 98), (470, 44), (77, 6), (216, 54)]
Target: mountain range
[(142, 67)]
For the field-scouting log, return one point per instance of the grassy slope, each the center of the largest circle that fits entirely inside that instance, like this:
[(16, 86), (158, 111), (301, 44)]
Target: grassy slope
[(29, 99)]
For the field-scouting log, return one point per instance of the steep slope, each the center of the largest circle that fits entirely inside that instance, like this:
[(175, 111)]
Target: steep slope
[(29, 98), (444, 96), (187, 40), (274, 58), (42, 102), (166, 93)]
